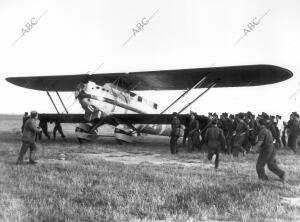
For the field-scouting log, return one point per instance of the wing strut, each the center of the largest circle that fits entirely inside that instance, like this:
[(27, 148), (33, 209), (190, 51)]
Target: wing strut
[(52, 101), (46, 89), (62, 102), (189, 104), (186, 92)]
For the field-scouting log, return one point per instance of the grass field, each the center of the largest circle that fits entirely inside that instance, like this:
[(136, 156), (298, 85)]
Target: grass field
[(93, 189)]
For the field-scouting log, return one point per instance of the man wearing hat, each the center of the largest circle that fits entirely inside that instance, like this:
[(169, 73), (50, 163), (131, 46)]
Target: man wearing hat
[(28, 138), (241, 132), (215, 140), (293, 127), (266, 152), (175, 133), (226, 124), (193, 134)]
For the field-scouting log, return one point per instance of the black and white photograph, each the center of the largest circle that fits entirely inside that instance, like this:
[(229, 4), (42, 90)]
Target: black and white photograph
[(152, 111)]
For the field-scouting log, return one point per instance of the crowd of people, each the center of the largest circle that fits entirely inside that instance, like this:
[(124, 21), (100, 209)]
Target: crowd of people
[(240, 133)]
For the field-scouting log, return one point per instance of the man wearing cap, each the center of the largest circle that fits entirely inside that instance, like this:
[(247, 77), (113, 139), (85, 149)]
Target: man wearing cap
[(28, 138), (175, 133), (266, 152), (294, 131), (241, 131), (226, 124), (215, 140), (193, 134)]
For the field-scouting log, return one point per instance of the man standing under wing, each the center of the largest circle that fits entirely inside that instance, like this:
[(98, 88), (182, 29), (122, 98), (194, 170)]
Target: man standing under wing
[(175, 133), (28, 138), (193, 134), (266, 150)]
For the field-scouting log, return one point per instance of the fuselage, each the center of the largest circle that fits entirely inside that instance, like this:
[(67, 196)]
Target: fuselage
[(110, 99)]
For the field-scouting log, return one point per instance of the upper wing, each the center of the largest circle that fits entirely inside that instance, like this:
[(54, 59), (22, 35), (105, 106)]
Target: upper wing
[(252, 75)]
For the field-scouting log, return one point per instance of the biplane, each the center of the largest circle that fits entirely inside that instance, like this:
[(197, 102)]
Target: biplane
[(112, 98)]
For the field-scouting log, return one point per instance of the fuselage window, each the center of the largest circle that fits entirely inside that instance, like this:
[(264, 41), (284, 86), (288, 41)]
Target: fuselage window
[(140, 99), (97, 87), (155, 106), (132, 94)]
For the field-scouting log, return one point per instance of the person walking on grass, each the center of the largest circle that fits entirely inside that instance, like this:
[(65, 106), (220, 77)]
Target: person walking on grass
[(215, 140), (28, 138), (266, 150)]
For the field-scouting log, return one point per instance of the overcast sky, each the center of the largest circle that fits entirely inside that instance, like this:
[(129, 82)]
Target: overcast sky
[(73, 37)]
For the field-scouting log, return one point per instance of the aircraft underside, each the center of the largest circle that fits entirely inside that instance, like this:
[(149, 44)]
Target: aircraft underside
[(123, 132)]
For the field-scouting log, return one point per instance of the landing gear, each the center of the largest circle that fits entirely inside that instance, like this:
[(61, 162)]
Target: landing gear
[(123, 134), (82, 133)]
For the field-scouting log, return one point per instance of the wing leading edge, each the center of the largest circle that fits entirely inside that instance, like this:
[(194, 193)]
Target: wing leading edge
[(232, 76)]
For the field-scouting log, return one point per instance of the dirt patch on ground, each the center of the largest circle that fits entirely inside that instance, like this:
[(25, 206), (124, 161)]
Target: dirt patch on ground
[(144, 158)]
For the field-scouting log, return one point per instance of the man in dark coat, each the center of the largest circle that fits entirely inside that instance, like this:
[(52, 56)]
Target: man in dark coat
[(28, 138), (241, 132), (226, 124), (266, 150), (293, 128), (215, 140), (193, 133), (175, 133)]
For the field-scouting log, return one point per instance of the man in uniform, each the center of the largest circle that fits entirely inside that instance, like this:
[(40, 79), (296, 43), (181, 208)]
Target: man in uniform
[(226, 124), (266, 151), (294, 132), (28, 138), (215, 140), (275, 131), (175, 133), (241, 130), (193, 133), (58, 128)]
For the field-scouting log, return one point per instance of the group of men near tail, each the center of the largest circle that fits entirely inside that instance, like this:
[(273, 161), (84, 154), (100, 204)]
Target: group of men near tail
[(32, 129), (241, 133)]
